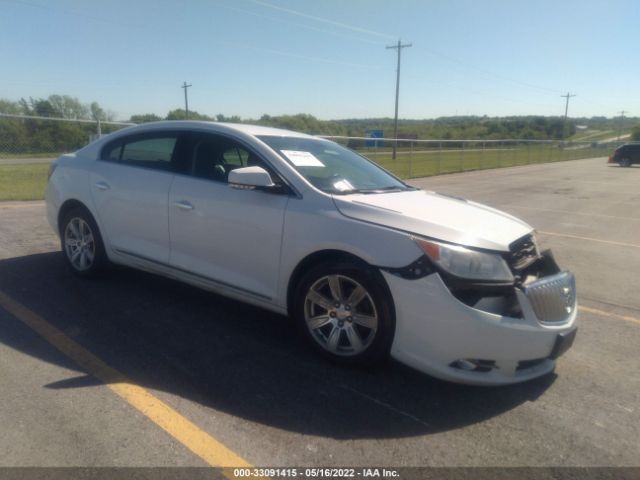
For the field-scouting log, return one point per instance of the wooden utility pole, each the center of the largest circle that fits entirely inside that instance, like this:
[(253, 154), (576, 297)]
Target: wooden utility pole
[(398, 48), (566, 112), (186, 100)]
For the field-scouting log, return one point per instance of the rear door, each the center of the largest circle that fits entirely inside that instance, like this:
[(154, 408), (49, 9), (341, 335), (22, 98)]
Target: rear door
[(223, 234), (130, 187)]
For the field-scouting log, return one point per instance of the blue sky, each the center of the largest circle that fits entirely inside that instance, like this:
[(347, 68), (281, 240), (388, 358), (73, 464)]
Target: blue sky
[(326, 57)]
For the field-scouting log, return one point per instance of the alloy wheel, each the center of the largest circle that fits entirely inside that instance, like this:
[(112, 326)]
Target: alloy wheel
[(79, 244), (340, 315)]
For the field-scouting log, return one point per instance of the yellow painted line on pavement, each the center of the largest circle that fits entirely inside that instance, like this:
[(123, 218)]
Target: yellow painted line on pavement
[(609, 242), (184, 431), (602, 313)]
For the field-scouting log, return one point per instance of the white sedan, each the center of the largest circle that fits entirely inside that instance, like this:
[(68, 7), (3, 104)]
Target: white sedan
[(366, 265)]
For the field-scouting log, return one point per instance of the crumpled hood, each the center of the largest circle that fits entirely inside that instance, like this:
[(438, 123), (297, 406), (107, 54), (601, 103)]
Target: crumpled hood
[(436, 216)]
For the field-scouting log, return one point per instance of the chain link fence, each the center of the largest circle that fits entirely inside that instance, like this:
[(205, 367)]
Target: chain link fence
[(421, 158), (32, 139), (28, 139)]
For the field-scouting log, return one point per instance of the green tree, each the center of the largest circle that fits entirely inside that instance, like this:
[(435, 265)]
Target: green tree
[(29, 135), (65, 106), (42, 108), (12, 108), (179, 114), (97, 113)]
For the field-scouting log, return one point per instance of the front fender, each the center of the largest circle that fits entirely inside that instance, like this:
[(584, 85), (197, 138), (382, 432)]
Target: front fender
[(376, 245)]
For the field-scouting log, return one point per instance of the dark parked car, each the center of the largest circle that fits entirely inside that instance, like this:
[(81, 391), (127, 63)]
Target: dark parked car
[(626, 155)]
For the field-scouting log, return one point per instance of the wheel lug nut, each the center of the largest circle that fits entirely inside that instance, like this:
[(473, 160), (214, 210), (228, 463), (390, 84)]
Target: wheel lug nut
[(348, 307), (332, 314), (349, 319)]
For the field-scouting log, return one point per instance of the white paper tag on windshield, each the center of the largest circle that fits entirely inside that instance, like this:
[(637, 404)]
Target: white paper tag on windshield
[(343, 185), (302, 159)]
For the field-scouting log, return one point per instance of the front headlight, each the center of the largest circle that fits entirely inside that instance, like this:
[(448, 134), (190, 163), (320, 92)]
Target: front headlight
[(469, 264)]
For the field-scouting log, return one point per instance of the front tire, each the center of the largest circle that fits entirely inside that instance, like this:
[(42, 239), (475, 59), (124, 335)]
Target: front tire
[(345, 311), (82, 243)]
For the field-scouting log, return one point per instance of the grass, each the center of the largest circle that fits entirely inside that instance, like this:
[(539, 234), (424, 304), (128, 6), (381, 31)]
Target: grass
[(47, 155), (424, 164), (23, 182)]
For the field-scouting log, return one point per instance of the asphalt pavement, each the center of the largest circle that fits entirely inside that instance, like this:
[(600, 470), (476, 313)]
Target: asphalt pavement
[(242, 380)]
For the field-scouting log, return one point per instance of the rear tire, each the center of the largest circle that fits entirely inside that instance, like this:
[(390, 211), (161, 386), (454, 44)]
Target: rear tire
[(625, 162), (82, 243), (345, 311)]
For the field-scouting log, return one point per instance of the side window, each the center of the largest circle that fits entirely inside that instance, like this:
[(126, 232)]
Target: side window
[(154, 152), (113, 153), (236, 156), (213, 157)]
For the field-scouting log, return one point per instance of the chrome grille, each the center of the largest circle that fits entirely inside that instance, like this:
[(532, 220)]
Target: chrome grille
[(552, 298)]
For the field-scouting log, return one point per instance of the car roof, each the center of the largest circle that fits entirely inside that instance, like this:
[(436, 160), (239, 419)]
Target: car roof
[(93, 149), (254, 130)]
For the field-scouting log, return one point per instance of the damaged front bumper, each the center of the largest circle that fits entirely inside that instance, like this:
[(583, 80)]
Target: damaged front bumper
[(493, 339)]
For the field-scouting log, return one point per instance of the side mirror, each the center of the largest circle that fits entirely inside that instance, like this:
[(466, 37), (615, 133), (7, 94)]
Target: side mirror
[(250, 178)]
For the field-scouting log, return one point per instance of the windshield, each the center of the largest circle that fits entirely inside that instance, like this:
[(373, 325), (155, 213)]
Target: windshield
[(333, 168)]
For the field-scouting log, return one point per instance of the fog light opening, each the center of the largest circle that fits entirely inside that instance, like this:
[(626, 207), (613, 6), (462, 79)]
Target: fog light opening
[(474, 365)]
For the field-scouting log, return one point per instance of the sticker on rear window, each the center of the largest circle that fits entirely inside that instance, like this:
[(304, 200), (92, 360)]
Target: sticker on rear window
[(302, 159)]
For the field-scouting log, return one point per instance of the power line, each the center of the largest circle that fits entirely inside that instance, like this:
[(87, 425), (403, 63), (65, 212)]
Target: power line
[(398, 49), (186, 100), (621, 112), (322, 19), (566, 111), (490, 73), (300, 25)]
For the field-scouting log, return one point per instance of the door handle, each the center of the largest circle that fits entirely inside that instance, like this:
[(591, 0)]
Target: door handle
[(102, 185), (184, 205)]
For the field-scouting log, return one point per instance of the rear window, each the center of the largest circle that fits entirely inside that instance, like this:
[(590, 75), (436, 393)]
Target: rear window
[(153, 151)]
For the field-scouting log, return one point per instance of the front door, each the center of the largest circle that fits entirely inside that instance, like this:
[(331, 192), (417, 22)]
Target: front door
[(226, 235)]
